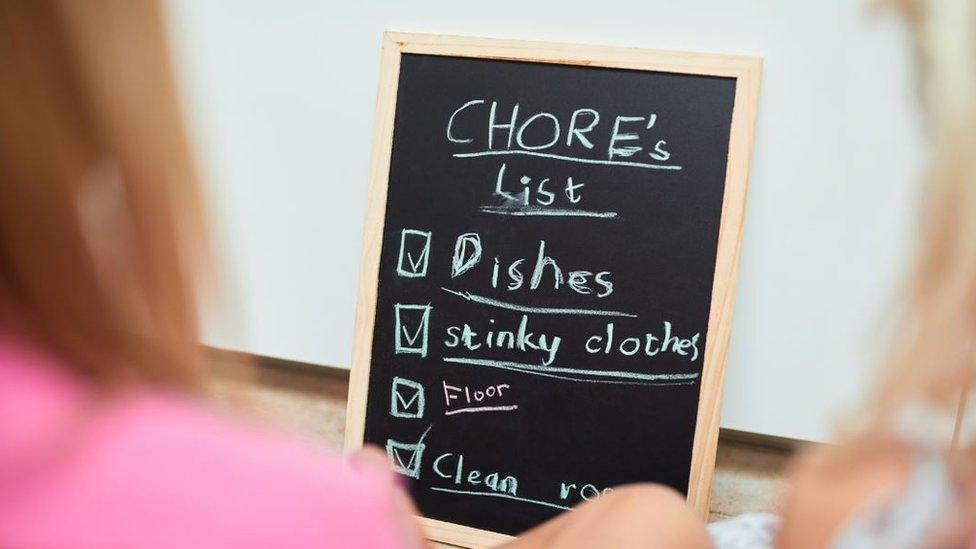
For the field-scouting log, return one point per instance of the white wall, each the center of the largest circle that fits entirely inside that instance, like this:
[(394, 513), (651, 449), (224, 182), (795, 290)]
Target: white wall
[(281, 96)]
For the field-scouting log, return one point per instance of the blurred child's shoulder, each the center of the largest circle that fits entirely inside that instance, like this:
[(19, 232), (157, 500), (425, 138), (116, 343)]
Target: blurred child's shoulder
[(97, 467)]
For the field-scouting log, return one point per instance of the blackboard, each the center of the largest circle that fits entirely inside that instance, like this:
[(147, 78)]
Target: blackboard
[(544, 249)]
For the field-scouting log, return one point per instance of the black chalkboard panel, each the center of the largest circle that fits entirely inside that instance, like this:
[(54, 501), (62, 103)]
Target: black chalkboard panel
[(544, 282)]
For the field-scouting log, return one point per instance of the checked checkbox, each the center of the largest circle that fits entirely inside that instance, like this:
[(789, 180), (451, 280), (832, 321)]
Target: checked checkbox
[(414, 253), (412, 324), (405, 457), (406, 398)]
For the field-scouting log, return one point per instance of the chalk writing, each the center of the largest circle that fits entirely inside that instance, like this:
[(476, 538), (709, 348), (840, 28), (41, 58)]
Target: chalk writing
[(413, 242), (471, 399), (646, 344), (412, 326), (527, 211), (406, 458), (451, 466), (535, 310), (586, 491), (624, 139), (545, 272), (521, 339), (503, 496), (583, 374), (406, 398), (527, 192)]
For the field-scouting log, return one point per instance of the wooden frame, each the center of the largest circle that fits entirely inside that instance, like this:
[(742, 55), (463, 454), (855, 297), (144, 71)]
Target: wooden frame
[(746, 71)]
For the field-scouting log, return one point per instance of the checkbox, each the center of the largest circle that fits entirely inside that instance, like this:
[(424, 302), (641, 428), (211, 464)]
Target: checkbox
[(412, 323), (406, 398), (406, 458), (414, 253)]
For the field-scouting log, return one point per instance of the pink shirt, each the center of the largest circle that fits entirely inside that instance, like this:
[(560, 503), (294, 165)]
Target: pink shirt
[(152, 470)]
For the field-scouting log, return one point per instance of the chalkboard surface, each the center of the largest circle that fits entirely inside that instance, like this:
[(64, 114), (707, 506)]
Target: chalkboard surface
[(544, 283)]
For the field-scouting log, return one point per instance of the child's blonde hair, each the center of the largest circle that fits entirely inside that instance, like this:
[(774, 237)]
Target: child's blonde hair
[(100, 224), (933, 358)]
